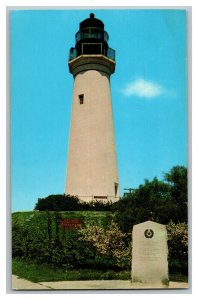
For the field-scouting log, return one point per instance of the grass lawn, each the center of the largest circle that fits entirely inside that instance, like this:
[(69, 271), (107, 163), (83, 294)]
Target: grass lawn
[(43, 272), (88, 217)]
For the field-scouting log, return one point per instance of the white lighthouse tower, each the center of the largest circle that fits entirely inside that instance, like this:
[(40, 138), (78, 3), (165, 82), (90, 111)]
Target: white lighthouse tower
[(92, 172)]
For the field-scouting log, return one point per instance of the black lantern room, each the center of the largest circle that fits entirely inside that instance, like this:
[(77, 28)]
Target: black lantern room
[(92, 39)]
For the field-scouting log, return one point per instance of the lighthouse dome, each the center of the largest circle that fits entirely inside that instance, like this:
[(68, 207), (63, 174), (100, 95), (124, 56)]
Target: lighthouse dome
[(91, 22), (91, 39)]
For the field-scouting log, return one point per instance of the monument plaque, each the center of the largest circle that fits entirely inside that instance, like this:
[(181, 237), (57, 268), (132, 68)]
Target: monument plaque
[(150, 254)]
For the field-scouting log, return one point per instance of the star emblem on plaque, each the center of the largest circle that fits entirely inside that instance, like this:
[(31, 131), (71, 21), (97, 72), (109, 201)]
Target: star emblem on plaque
[(149, 233)]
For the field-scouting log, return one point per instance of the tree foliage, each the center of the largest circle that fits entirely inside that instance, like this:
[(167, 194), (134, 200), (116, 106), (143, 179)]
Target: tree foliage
[(178, 180), (156, 200), (67, 202)]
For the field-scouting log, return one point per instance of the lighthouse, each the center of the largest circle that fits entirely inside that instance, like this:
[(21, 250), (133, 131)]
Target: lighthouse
[(92, 172)]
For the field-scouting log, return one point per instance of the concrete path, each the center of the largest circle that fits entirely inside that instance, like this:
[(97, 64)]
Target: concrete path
[(22, 284)]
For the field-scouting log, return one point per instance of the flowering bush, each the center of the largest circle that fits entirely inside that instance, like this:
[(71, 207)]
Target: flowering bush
[(110, 242), (178, 247)]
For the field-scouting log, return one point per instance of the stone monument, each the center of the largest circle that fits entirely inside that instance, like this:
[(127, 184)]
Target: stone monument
[(150, 255)]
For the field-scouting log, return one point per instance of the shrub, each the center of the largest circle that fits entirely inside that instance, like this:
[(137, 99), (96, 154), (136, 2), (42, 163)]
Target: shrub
[(58, 203), (110, 244), (45, 241), (40, 238), (178, 247)]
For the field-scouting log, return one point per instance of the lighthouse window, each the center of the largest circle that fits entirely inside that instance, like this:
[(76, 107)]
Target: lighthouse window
[(81, 98), (92, 48)]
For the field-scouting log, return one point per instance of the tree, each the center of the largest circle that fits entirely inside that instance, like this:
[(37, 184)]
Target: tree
[(151, 201), (178, 180), (156, 200)]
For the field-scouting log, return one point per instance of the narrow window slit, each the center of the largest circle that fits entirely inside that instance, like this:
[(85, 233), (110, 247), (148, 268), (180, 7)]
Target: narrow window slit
[(81, 98), (116, 188)]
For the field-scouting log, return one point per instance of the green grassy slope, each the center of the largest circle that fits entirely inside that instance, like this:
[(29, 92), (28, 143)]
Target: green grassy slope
[(100, 218)]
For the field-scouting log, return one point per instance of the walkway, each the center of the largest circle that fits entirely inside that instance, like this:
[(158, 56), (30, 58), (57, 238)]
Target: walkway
[(23, 284)]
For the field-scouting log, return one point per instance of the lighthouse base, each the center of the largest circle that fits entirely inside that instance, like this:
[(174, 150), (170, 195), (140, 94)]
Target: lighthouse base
[(98, 198)]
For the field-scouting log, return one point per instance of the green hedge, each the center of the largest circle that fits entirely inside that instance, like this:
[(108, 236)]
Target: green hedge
[(38, 237), (62, 202)]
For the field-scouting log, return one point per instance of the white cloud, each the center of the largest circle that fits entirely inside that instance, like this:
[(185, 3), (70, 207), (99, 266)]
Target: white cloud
[(143, 88)]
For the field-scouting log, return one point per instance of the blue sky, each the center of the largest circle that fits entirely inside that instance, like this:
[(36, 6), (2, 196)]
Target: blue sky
[(148, 90)]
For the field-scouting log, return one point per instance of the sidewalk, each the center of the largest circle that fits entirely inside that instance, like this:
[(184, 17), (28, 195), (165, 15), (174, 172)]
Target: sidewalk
[(23, 284)]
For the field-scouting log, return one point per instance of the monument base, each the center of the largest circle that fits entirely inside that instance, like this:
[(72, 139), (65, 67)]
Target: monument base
[(140, 285)]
